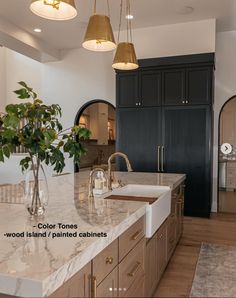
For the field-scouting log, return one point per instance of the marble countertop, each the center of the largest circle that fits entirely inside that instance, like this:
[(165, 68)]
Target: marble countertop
[(37, 266)]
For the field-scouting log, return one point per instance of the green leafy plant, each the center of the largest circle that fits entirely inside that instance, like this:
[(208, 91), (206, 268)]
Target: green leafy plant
[(42, 134)]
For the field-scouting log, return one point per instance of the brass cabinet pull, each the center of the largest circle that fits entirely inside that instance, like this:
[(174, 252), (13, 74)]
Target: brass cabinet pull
[(135, 236), (109, 260), (135, 269), (158, 158), (93, 287), (163, 158)]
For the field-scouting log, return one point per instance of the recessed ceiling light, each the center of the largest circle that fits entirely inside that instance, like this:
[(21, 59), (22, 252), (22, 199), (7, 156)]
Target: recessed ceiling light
[(37, 30), (186, 10), (129, 17)]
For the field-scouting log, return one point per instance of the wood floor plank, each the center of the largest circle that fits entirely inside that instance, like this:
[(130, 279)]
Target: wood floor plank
[(178, 277)]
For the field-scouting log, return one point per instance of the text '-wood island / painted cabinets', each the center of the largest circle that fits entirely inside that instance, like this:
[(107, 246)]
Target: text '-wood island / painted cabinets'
[(164, 122)]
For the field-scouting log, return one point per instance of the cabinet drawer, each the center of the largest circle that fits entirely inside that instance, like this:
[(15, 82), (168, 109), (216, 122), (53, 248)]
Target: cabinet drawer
[(131, 268), (109, 287), (131, 237), (106, 261), (137, 289)]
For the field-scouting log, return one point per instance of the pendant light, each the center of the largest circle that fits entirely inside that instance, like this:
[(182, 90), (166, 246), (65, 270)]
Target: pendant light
[(125, 57), (58, 10), (99, 36)]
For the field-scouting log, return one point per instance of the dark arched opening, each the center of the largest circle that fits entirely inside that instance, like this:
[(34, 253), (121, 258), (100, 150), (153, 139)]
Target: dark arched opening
[(99, 116), (227, 157)]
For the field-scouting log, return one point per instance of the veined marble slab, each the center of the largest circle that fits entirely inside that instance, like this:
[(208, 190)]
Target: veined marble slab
[(36, 267)]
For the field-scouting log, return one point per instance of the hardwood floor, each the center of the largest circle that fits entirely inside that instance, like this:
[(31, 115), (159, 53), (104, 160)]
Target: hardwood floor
[(178, 277)]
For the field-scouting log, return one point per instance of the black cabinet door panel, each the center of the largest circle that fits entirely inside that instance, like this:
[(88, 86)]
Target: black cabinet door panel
[(199, 85), (187, 150), (174, 86), (150, 88), (127, 91), (138, 136)]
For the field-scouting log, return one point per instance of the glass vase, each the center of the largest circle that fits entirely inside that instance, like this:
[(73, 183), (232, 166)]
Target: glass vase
[(36, 191)]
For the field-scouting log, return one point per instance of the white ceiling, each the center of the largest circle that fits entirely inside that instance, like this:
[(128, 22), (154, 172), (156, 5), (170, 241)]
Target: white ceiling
[(69, 34)]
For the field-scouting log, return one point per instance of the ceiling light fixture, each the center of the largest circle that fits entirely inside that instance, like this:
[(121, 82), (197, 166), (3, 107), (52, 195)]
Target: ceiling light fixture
[(129, 17), (125, 57), (37, 30), (99, 36), (58, 10)]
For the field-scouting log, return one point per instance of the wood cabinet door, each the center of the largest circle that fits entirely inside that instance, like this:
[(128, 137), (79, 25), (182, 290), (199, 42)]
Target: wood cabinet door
[(199, 85), (174, 87), (187, 142), (128, 89), (162, 249), (138, 136), (137, 289), (151, 267), (150, 88), (77, 286), (109, 286)]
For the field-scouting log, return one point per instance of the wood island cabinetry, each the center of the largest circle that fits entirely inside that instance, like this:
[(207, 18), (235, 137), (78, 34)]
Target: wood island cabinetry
[(131, 266)]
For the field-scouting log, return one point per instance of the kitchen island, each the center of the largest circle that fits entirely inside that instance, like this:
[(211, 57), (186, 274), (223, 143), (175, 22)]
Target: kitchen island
[(74, 231)]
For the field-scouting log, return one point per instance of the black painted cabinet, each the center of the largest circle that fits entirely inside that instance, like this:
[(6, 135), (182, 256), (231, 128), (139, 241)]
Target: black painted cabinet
[(128, 91), (141, 89), (174, 86), (189, 85), (199, 85), (186, 139), (150, 88), (139, 135), (172, 124)]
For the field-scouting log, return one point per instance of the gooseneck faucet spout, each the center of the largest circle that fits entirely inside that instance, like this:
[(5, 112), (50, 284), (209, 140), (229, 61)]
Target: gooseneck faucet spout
[(128, 165)]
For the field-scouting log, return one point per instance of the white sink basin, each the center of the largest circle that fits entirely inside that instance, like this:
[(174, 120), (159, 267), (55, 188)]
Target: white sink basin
[(158, 211)]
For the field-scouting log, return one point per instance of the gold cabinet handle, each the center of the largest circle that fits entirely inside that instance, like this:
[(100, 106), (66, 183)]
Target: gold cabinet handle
[(136, 235), (93, 287), (109, 260), (162, 158), (135, 269), (158, 158)]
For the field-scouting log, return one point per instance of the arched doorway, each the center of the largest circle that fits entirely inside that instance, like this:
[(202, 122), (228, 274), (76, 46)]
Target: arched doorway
[(99, 116), (227, 157)]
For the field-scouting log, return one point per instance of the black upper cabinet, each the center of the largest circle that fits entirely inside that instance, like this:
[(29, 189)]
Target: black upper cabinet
[(128, 91), (198, 85), (150, 88), (138, 89), (174, 86), (191, 85)]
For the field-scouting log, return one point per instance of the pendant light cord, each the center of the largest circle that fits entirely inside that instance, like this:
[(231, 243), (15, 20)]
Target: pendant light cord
[(108, 8), (95, 7), (121, 10)]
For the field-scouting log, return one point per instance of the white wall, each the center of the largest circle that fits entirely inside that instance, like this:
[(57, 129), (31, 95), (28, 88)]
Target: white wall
[(21, 68), (173, 40), (225, 88), (2, 79), (80, 77)]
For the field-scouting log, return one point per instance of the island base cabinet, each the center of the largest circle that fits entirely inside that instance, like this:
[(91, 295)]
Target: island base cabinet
[(77, 286), (132, 272), (156, 259), (108, 287)]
